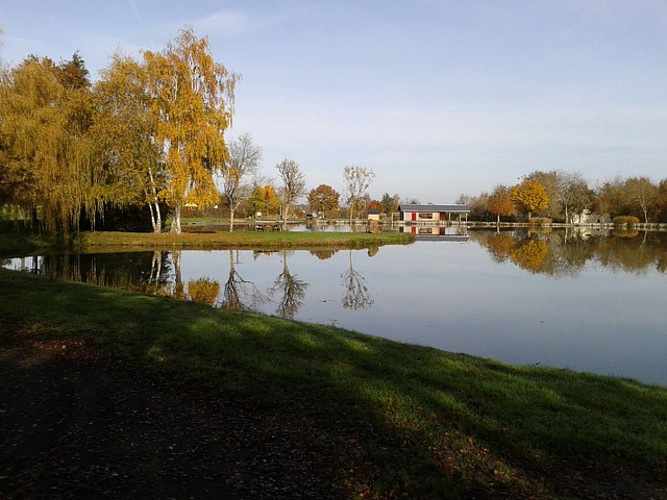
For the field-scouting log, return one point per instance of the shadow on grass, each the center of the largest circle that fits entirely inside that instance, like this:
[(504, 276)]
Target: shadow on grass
[(451, 424)]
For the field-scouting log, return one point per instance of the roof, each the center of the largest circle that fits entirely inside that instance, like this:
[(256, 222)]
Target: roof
[(455, 208)]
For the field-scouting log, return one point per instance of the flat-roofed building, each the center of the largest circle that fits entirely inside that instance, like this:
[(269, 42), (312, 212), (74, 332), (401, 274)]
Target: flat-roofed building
[(434, 213)]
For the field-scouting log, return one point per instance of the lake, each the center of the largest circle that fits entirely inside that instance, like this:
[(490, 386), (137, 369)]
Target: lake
[(588, 301)]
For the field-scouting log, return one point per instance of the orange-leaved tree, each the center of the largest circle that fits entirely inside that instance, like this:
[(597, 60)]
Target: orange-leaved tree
[(500, 202), (323, 199), (192, 100), (530, 196)]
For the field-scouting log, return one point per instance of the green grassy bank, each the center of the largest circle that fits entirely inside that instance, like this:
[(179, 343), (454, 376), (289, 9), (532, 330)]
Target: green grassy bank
[(460, 426), (14, 243), (254, 239)]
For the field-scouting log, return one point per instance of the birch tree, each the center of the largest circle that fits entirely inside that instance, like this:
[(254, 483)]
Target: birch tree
[(641, 192), (124, 129), (192, 99)]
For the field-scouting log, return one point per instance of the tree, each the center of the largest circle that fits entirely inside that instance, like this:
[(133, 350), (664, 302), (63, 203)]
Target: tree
[(641, 192), (389, 204), (531, 196), (192, 100), (204, 291), (46, 155), (124, 129), (294, 185), (73, 74), (374, 205), (611, 198), (661, 202), (357, 179), (264, 199), (549, 181), (244, 158), (572, 193), (323, 199), (500, 202)]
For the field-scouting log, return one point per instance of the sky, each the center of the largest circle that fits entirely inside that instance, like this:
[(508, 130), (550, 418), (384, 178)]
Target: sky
[(439, 98)]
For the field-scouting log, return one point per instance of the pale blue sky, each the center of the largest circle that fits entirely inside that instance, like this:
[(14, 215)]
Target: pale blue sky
[(439, 98)]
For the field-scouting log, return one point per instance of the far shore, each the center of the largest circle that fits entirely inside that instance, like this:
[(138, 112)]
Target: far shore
[(17, 238)]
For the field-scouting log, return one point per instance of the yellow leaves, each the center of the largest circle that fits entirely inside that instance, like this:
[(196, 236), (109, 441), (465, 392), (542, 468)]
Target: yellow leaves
[(191, 101), (529, 254), (48, 152), (153, 129), (531, 195)]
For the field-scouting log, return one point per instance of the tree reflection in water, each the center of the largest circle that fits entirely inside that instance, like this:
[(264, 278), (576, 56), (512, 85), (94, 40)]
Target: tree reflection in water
[(566, 253), (356, 295), (293, 291), (239, 294)]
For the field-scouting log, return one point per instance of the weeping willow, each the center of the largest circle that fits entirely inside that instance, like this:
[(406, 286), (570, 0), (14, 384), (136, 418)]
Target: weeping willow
[(47, 160)]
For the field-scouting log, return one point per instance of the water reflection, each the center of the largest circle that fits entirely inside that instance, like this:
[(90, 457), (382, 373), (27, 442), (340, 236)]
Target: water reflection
[(357, 295), (204, 291), (290, 289), (566, 253), (586, 300), (239, 294), (563, 253)]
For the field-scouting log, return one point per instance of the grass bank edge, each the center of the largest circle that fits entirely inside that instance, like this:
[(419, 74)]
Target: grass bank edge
[(16, 243), (468, 413), (237, 239)]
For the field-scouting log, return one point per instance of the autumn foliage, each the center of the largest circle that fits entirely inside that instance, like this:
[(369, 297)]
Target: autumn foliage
[(530, 196), (150, 132)]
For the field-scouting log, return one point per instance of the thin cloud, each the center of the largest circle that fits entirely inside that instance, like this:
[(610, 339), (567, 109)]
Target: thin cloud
[(228, 22)]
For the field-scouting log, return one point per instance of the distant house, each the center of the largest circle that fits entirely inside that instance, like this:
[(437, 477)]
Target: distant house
[(432, 213), (588, 217), (373, 214)]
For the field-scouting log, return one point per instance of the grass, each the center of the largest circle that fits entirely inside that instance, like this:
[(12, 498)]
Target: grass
[(254, 239), (17, 239), (460, 423), (21, 242)]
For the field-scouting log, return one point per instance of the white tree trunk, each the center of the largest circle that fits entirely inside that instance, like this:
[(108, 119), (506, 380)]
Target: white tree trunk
[(176, 223)]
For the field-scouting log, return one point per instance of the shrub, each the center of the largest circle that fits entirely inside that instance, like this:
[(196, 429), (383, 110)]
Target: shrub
[(625, 219)]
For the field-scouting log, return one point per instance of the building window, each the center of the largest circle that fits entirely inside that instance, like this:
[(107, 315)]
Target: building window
[(425, 215)]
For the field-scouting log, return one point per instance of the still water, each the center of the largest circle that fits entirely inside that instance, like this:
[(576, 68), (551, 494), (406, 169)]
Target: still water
[(589, 302)]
